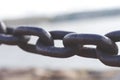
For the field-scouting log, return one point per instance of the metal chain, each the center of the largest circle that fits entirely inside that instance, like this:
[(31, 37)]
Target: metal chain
[(106, 49)]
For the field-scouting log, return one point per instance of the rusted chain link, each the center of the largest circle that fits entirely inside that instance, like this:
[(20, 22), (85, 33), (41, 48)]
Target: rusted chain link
[(106, 49)]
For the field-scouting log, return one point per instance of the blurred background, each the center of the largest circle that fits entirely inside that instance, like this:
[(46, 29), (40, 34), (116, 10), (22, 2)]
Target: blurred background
[(81, 16)]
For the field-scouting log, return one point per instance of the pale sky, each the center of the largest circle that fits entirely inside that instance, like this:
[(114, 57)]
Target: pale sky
[(18, 8)]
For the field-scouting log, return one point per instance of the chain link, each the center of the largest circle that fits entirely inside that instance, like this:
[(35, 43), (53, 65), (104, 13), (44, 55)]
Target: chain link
[(74, 44)]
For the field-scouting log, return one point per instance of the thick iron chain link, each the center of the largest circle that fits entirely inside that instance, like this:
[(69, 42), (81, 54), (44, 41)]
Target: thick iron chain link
[(106, 49)]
